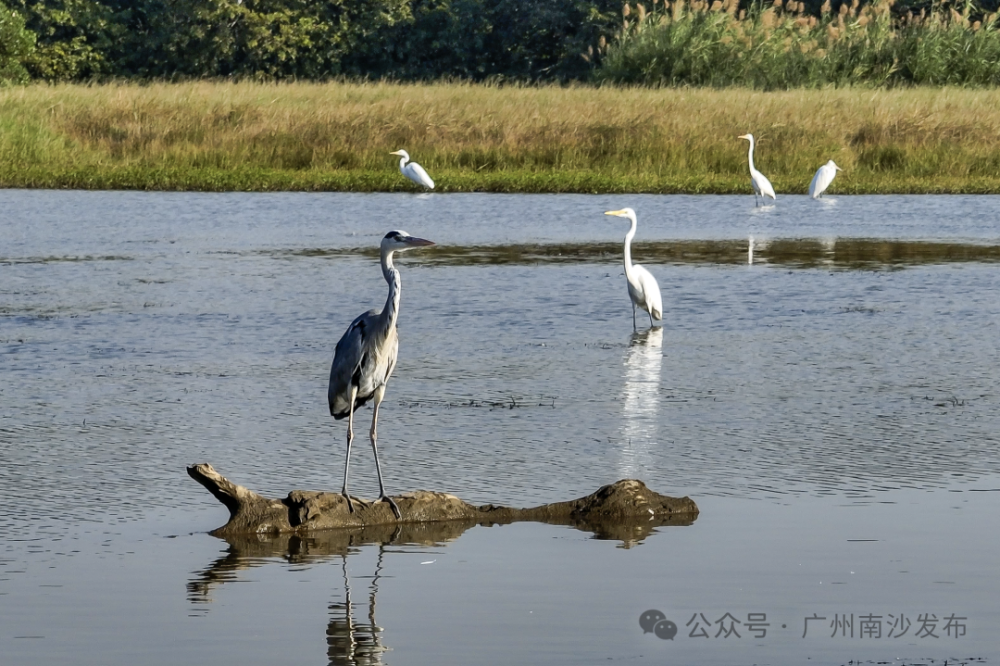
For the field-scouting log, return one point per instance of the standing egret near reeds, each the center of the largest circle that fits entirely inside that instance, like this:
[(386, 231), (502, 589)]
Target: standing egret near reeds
[(761, 185), (413, 171), (642, 286), (824, 176), (366, 356)]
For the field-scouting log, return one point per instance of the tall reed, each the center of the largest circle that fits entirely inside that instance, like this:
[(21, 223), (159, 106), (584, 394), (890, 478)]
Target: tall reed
[(780, 46)]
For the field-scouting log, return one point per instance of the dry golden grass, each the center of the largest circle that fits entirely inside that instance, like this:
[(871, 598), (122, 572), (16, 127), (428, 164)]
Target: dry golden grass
[(338, 136)]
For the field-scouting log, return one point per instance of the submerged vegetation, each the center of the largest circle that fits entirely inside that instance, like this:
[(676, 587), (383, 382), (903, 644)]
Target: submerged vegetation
[(338, 136)]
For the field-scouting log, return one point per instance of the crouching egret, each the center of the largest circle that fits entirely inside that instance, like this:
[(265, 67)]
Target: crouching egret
[(824, 176)]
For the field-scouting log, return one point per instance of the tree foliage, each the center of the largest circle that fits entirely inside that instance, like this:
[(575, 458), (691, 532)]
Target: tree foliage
[(17, 43), (316, 39)]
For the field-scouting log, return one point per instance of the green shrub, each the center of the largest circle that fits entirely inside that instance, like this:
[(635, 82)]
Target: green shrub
[(781, 46)]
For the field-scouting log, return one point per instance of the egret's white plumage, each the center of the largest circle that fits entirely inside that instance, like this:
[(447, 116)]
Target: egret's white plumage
[(642, 286), (366, 356), (413, 171), (824, 176), (761, 185)]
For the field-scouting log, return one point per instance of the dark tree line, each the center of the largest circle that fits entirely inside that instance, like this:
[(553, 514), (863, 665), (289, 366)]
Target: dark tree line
[(409, 40)]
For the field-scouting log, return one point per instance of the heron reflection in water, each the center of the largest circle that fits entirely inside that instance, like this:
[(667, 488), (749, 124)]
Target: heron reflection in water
[(352, 642), (640, 400)]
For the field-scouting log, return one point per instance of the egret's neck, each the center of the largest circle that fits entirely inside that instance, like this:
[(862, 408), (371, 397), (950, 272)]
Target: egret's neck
[(628, 249), (402, 163), (391, 275), (750, 154)]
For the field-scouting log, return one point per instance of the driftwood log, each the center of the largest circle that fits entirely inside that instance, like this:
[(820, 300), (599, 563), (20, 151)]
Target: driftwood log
[(625, 510)]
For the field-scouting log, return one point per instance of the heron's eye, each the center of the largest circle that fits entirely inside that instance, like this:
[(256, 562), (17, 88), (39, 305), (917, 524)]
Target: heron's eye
[(392, 234)]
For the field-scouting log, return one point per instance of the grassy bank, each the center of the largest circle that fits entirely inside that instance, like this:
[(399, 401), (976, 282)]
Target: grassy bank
[(221, 136)]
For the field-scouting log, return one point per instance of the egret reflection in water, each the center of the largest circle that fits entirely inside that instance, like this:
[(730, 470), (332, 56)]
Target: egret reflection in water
[(640, 401)]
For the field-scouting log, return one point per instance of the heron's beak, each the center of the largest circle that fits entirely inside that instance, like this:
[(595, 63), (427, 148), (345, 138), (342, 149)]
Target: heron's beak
[(837, 167), (618, 213), (413, 241)]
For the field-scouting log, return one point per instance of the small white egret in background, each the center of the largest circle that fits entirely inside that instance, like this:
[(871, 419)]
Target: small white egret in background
[(366, 356), (413, 171), (642, 286), (824, 176), (761, 185)]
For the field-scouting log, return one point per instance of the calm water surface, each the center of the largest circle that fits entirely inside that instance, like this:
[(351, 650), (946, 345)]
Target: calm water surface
[(831, 406)]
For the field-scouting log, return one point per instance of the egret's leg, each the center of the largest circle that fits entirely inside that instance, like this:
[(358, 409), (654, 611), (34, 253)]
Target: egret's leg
[(350, 438), (634, 327), (650, 313), (379, 392)]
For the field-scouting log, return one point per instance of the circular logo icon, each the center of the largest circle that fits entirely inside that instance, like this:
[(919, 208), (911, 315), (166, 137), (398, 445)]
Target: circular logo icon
[(649, 619), (665, 629)]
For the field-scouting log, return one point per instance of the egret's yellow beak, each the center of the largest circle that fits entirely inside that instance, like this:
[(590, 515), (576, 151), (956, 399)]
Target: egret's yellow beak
[(744, 136), (618, 213), (398, 152)]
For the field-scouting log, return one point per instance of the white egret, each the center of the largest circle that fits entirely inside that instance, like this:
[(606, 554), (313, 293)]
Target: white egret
[(413, 171), (761, 185), (366, 356), (642, 286), (824, 176)]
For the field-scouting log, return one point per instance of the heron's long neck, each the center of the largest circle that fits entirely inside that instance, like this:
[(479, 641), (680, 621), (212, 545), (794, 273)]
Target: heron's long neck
[(750, 154), (391, 276), (628, 250)]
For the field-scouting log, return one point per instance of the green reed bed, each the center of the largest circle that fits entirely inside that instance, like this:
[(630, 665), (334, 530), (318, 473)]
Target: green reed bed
[(781, 46), (338, 136)]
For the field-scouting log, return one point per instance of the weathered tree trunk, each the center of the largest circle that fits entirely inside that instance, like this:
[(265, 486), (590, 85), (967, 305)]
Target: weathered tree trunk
[(623, 510)]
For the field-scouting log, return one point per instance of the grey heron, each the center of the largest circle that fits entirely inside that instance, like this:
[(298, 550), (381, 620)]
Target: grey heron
[(642, 286), (366, 356), (824, 176), (413, 171), (758, 181)]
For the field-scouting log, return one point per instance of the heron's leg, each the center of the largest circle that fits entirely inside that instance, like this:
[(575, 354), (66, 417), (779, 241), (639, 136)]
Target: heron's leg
[(379, 392), (350, 438)]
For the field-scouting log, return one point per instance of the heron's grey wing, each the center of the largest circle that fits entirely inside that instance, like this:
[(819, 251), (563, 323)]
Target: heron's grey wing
[(348, 358)]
